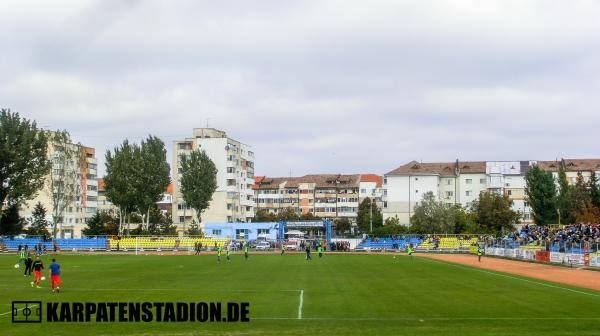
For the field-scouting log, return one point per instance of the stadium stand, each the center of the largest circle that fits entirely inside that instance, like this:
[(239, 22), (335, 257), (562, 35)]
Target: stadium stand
[(164, 243)]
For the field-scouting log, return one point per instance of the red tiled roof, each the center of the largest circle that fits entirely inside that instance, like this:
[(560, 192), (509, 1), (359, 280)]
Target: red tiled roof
[(439, 168), (170, 188), (372, 178)]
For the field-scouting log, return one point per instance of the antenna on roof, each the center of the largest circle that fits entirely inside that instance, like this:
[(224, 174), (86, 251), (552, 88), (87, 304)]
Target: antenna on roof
[(290, 172)]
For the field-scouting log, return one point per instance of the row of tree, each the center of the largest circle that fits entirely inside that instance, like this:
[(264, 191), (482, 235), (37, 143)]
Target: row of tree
[(561, 202), (136, 177), (490, 213)]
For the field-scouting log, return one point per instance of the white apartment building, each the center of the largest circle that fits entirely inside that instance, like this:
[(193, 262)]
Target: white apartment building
[(82, 168), (233, 201), (462, 182)]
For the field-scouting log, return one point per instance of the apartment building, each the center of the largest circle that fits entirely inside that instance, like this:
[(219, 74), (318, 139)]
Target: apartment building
[(233, 201), (371, 186), (322, 195), (80, 175), (462, 182)]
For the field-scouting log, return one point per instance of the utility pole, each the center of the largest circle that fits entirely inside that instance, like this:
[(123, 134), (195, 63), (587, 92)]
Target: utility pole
[(371, 214)]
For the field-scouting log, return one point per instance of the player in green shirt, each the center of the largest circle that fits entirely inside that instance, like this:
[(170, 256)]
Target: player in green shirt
[(22, 257), (479, 253), (246, 251), (409, 249), (320, 250), (282, 248), (228, 254), (219, 249)]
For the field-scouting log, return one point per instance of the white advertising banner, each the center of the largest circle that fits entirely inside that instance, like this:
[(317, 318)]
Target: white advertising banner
[(595, 261), (575, 259), (520, 253), (557, 257), (511, 253)]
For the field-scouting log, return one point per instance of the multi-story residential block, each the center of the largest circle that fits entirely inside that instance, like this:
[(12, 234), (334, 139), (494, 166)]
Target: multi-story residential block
[(78, 175), (324, 196), (462, 182), (233, 201), (370, 187)]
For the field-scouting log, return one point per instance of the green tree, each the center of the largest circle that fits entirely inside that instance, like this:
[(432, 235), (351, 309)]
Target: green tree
[(463, 220), (39, 223), (12, 223), (287, 215), (194, 230), (153, 175), (342, 225), (65, 175), (541, 195), (594, 189), (23, 158), (392, 221), (363, 216), (493, 213), (564, 202), (308, 216), (122, 167), (198, 181), (102, 223), (263, 215), (161, 223), (432, 216), (581, 197)]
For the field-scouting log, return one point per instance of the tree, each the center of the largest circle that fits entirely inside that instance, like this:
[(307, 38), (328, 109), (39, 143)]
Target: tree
[(160, 223), (102, 223), (122, 167), (493, 213), (65, 175), (363, 216), (588, 213), (11, 223), (39, 223), (431, 216), (287, 215), (23, 158), (581, 197), (308, 216), (565, 198), (392, 221), (594, 189), (198, 180), (541, 195), (263, 215), (153, 175), (194, 230), (463, 220), (342, 225)]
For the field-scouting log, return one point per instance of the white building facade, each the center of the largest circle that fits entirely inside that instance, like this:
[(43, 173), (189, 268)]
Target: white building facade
[(462, 182), (233, 201)]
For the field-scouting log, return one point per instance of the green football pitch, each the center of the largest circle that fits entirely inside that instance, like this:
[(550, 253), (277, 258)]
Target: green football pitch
[(338, 294)]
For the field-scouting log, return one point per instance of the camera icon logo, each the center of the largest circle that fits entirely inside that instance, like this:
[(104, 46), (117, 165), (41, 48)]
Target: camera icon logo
[(27, 312)]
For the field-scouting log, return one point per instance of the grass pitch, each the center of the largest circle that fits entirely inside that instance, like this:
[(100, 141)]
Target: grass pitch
[(338, 294)]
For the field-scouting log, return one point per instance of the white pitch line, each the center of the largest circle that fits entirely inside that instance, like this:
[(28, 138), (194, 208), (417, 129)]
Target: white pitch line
[(422, 319), (300, 304), (512, 277), (18, 310)]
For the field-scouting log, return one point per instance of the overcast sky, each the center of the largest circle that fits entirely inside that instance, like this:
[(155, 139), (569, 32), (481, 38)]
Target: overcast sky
[(314, 86)]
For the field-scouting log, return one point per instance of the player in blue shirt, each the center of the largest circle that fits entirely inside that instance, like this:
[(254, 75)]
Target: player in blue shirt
[(54, 273)]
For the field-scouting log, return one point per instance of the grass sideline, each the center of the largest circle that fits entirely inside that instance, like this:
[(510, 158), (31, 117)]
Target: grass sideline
[(356, 294)]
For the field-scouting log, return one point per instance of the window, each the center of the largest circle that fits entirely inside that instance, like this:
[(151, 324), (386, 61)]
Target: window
[(482, 181), (469, 181), (230, 169), (262, 231), (385, 204), (448, 181), (416, 178), (216, 232), (449, 194), (469, 193), (526, 203), (509, 192), (385, 180), (363, 191)]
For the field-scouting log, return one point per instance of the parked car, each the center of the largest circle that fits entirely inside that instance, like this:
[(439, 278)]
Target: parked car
[(263, 246), (292, 245)]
